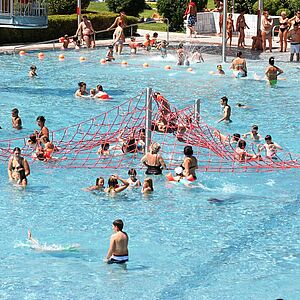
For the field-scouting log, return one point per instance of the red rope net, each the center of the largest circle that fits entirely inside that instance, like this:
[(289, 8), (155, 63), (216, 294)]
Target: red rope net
[(122, 127)]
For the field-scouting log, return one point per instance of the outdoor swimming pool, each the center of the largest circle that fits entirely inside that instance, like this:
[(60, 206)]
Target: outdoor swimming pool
[(235, 238)]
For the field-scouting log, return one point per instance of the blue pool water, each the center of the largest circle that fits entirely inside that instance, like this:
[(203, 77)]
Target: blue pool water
[(236, 237)]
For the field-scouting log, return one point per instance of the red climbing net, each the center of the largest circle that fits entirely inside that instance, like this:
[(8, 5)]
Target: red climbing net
[(122, 128)]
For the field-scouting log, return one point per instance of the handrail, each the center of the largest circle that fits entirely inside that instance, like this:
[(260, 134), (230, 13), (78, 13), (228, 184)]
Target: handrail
[(273, 31), (100, 31)]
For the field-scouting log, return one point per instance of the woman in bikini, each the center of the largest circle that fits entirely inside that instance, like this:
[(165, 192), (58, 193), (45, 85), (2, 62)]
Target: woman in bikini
[(190, 163), (153, 161), (86, 30), (18, 168), (266, 30), (240, 27), (283, 30)]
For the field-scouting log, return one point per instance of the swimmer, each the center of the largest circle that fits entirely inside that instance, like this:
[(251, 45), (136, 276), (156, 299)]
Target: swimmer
[(110, 53), (242, 155), (227, 139), (180, 55), (118, 246), (147, 186), (132, 180), (162, 46), (240, 105), (190, 163), (35, 245), (272, 72), (220, 71), (18, 168), (81, 92), (16, 120), (100, 93), (113, 185), (104, 149), (226, 110), (254, 135), (99, 186), (239, 66), (48, 148), (32, 73), (66, 42), (32, 140), (147, 42), (197, 56), (44, 131), (270, 147), (92, 93), (133, 45), (153, 160)]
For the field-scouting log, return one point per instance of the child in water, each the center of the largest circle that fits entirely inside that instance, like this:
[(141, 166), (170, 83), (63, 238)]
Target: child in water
[(99, 186), (32, 73), (180, 55), (104, 149), (220, 70), (110, 53), (147, 186), (162, 46)]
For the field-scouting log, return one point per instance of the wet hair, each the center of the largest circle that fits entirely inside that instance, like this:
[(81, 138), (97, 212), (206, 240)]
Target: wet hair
[(105, 146), (15, 111), (254, 127), (155, 147), (271, 61), (119, 224), (110, 47), (17, 149), (155, 34), (150, 182), (98, 179), (33, 67), (99, 87), (240, 104), (224, 99), (239, 54), (241, 144), (81, 84), (133, 38), (188, 150), (130, 145), (132, 172), (45, 140), (180, 46), (236, 136), (41, 119), (112, 181), (268, 137), (32, 138)]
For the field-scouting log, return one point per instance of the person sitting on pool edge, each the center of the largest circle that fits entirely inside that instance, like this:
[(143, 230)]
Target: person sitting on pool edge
[(118, 246), (226, 110), (153, 161), (113, 185)]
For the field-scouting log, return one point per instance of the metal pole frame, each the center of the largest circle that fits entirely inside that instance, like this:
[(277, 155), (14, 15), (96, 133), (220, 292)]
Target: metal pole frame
[(197, 110), (148, 120), (224, 32), (259, 13), (78, 12)]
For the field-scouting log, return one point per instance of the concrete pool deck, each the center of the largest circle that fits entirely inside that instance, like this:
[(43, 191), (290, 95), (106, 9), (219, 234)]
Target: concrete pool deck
[(174, 38)]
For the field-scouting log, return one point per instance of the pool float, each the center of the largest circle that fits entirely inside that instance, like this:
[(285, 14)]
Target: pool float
[(184, 180), (103, 96), (238, 73)]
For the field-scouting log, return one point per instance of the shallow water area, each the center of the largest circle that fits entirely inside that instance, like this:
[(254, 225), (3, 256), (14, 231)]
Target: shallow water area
[(214, 240)]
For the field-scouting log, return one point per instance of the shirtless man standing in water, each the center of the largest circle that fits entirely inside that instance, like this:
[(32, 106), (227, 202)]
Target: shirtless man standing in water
[(118, 247), (227, 110)]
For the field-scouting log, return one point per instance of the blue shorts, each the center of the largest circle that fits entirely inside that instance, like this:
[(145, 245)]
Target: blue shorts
[(192, 20)]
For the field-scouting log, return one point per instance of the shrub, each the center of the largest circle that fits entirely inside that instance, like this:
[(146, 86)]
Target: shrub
[(64, 7), (275, 7), (174, 11), (59, 25), (130, 7)]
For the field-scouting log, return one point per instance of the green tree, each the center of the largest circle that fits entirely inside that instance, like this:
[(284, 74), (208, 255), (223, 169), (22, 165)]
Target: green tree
[(130, 7), (65, 7), (174, 11)]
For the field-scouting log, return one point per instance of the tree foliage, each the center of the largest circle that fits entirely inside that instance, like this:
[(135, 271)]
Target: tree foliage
[(65, 7), (130, 7), (174, 11)]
